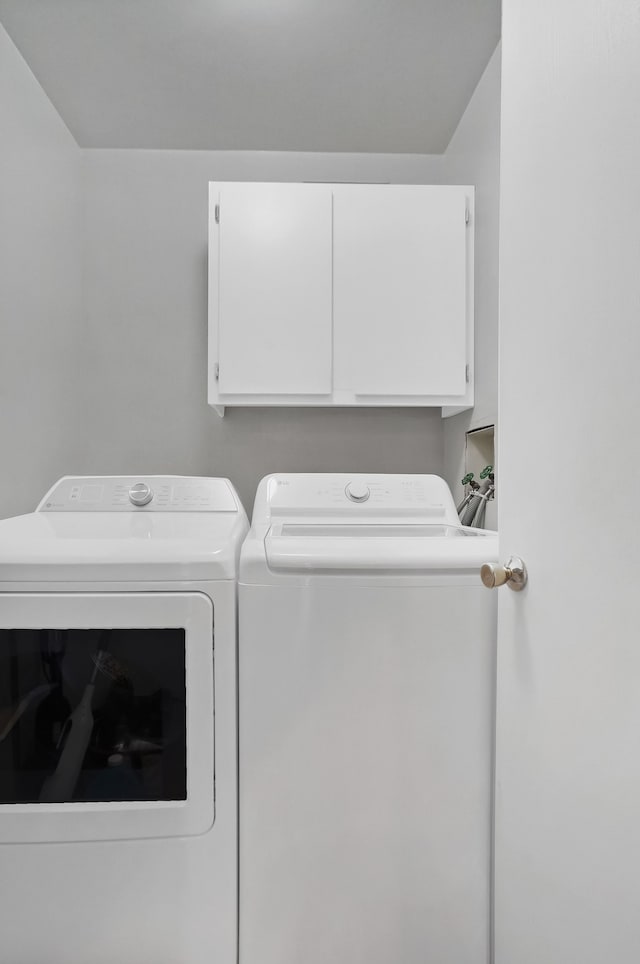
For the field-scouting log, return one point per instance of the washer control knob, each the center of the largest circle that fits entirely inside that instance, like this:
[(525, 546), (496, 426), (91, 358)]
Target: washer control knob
[(140, 493), (357, 491)]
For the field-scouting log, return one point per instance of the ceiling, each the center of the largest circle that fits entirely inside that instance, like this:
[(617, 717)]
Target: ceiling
[(285, 75)]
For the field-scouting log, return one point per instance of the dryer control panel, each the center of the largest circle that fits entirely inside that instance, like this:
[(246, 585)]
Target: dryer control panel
[(151, 493)]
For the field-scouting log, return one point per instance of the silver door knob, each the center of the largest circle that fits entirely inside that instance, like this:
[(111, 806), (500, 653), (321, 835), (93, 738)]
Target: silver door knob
[(514, 574)]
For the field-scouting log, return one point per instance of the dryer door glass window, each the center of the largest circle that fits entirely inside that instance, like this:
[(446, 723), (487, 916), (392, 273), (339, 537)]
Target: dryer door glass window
[(92, 715)]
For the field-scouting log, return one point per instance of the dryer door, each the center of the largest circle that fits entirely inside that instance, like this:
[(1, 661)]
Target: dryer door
[(106, 715)]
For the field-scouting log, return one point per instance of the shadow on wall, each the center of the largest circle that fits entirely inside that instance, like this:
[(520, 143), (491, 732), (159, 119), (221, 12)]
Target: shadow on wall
[(249, 443), (253, 442)]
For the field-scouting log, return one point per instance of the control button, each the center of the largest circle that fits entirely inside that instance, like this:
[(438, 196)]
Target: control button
[(357, 491), (140, 493)]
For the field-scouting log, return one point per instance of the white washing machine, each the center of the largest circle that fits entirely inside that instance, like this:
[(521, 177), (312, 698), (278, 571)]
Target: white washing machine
[(366, 680), (118, 794)]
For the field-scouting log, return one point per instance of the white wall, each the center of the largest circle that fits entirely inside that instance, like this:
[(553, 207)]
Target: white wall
[(40, 289), (473, 157), (146, 283)]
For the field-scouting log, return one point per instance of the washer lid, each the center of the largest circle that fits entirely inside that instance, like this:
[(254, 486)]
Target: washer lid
[(367, 547), (122, 545), (347, 524)]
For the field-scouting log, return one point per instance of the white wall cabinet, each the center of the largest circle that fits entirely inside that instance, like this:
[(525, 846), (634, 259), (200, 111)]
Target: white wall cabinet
[(341, 294), (274, 290)]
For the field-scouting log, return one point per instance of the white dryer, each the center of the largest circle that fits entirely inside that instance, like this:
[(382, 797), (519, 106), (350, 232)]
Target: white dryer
[(118, 784), (366, 680)]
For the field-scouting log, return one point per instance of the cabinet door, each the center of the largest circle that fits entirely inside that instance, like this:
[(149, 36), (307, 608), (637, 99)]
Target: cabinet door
[(274, 289), (400, 289)]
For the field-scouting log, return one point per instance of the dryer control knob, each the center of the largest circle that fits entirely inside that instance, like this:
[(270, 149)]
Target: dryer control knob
[(357, 491), (140, 493)]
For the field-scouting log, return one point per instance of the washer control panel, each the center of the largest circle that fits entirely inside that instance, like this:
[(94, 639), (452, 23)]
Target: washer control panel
[(358, 496), (160, 493)]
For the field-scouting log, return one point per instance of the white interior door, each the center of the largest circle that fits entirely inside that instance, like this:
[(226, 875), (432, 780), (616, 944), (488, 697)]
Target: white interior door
[(568, 713), (400, 288), (273, 285)]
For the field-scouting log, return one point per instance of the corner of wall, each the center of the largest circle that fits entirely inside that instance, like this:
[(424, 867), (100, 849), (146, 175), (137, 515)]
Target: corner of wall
[(40, 278), (473, 157)]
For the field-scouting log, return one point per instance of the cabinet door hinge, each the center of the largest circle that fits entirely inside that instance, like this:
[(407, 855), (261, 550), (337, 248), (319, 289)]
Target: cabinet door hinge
[(467, 373), (217, 213), (216, 372)]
